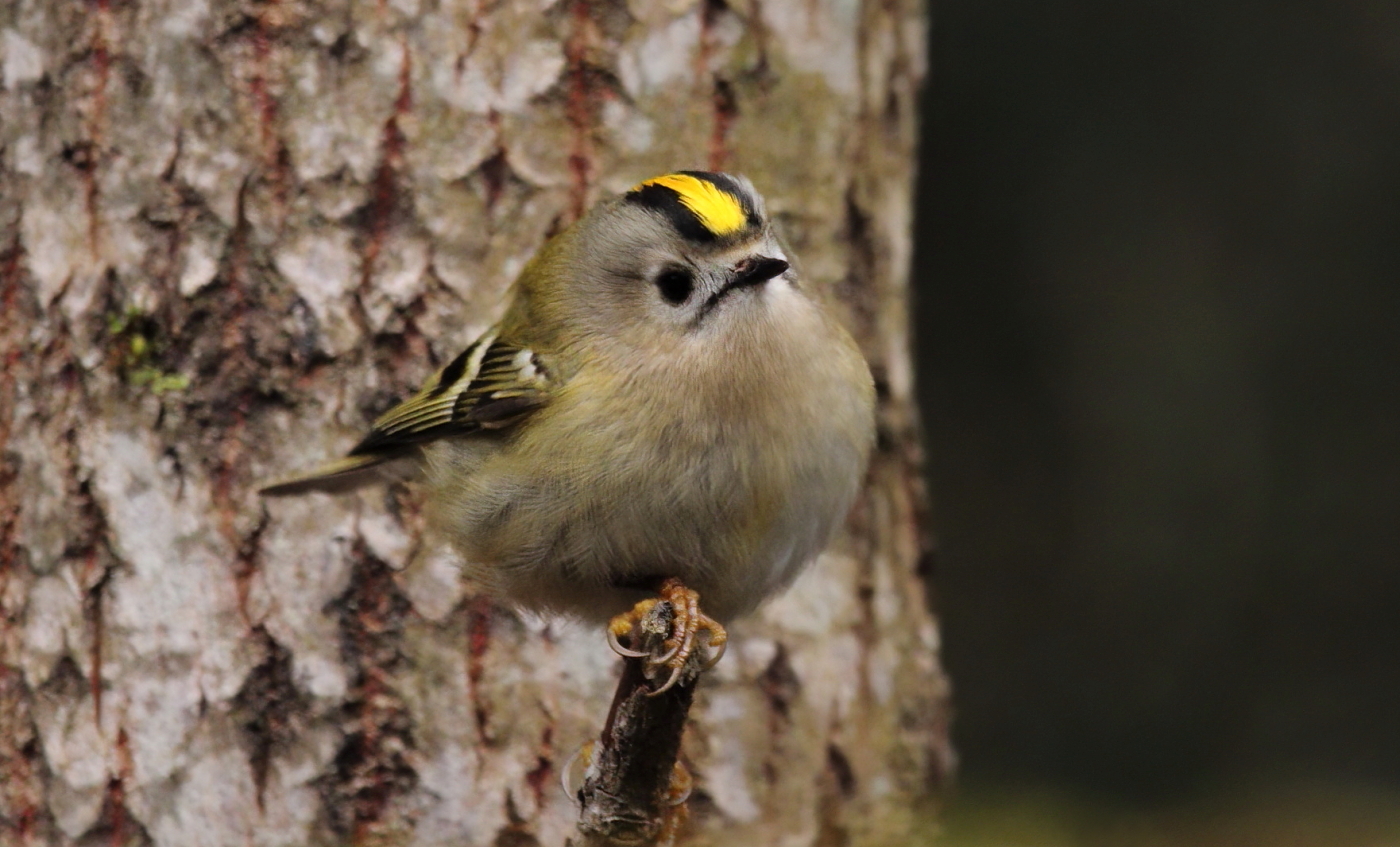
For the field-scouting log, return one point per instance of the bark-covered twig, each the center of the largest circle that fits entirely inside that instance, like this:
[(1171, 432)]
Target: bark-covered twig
[(634, 788)]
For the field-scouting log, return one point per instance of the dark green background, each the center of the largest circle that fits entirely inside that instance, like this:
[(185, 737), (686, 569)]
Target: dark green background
[(1158, 313)]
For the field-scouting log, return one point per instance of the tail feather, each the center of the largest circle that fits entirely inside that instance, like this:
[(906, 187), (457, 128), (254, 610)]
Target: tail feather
[(345, 474)]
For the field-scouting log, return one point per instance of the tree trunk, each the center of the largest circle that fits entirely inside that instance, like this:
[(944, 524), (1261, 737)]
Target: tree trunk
[(235, 232)]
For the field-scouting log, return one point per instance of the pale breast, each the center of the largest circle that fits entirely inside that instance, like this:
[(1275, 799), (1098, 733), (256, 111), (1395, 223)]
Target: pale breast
[(731, 484)]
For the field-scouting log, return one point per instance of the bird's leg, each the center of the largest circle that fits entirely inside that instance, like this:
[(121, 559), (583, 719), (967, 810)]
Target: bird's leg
[(665, 628)]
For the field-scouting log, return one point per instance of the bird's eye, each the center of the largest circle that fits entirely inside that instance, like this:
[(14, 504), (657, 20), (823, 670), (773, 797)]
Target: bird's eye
[(675, 284)]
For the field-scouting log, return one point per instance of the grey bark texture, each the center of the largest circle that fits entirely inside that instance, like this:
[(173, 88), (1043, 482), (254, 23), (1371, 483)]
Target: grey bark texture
[(232, 234)]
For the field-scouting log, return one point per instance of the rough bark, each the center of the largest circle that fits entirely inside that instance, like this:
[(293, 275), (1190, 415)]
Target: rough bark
[(232, 234)]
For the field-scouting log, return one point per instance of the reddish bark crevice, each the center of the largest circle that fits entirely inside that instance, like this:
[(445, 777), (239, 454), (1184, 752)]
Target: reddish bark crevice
[(864, 264), (92, 611), (495, 171), (480, 612), (116, 826), (761, 72), (225, 476), (781, 687), (724, 107), (276, 157), (387, 196), (247, 559), (12, 350), (23, 774), (541, 777), (267, 708), (581, 109), (593, 29), (96, 124), (373, 768), (87, 546), (473, 30)]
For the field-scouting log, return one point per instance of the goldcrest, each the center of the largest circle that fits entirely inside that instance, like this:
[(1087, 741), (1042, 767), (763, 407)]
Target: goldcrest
[(663, 398)]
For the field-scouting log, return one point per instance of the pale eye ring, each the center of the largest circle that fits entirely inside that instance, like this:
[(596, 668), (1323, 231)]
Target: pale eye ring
[(675, 285)]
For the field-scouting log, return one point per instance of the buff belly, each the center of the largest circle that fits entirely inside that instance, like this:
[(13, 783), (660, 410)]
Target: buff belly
[(732, 520)]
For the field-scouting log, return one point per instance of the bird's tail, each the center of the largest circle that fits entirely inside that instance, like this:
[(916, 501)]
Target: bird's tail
[(346, 474)]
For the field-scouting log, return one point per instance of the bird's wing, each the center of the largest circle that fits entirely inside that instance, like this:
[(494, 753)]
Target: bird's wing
[(490, 386)]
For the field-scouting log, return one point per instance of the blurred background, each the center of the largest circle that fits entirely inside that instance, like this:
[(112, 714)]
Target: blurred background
[(1158, 316)]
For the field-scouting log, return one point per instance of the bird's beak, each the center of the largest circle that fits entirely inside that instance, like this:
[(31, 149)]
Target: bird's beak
[(753, 271), (756, 270)]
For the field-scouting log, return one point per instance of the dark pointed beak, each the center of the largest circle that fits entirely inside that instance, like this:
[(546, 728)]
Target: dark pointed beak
[(755, 271)]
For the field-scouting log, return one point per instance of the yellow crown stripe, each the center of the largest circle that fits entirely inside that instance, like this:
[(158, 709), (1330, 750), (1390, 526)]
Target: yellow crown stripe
[(719, 211)]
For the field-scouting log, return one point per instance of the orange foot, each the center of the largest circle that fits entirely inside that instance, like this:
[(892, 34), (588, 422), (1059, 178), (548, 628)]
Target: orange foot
[(666, 626)]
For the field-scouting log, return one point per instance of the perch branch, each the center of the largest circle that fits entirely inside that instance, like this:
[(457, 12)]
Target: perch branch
[(634, 788)]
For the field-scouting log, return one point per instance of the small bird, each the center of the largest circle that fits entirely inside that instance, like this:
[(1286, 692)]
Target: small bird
[(664, 409)]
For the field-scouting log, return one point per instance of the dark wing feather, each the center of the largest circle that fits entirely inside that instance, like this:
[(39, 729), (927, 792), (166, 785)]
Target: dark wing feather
[(491, 385)]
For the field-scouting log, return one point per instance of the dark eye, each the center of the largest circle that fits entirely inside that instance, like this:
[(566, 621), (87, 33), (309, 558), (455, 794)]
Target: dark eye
[(675, 284)]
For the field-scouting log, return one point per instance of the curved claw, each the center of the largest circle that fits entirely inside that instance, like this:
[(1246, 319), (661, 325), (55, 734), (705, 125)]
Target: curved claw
[(719, 654), (670, 683), (669, 654), (623, 651), (571, 776)]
